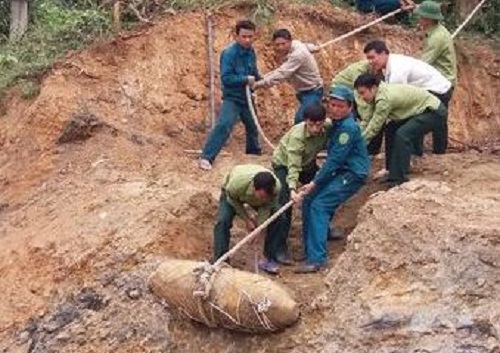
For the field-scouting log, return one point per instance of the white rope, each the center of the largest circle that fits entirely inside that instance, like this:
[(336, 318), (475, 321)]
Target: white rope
[(254, 116), (252, 234), (205, 273), (359, 29), (476, 9)]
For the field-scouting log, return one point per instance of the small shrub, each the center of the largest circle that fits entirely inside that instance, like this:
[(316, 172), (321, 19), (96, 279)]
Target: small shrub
[(30, 89)]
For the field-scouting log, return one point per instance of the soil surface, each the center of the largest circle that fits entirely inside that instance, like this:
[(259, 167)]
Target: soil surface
[(96, 190)]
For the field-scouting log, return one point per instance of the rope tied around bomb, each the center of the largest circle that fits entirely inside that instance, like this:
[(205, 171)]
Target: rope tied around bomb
[(205, 273)]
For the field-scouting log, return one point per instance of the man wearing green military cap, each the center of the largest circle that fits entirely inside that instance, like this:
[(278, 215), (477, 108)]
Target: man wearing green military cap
[(344, 172), (361, 109), (439, 50)]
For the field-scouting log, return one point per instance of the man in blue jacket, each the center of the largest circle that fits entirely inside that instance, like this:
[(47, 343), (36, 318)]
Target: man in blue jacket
[(238, 68), (383, 7), (344, 172)]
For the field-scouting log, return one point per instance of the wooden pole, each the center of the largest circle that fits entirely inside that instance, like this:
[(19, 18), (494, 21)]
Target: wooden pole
[(210, 54), (18, 18), (222, 153), (359, 29), (252, 234), (116, 16)]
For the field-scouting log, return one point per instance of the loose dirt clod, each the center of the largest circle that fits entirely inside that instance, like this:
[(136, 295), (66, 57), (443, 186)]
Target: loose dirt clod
[(238, 300), (80, 128)]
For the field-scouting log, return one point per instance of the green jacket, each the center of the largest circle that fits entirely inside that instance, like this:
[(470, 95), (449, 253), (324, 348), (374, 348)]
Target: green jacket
[(347, 76), (298, 149), (439, 52), (238, 185), (397, 102)]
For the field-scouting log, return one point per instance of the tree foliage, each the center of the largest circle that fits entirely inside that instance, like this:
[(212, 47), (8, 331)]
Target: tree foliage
[(4, 18), (56, 26)]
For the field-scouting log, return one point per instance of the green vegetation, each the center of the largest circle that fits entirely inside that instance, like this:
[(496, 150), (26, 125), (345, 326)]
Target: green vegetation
[(57, 26), (30, 88)]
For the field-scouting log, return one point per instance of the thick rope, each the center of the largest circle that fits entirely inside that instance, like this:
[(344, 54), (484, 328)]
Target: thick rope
[(205, 272), (335, 40), (253, 234), (254, 116), (476, 9), (359, 29)]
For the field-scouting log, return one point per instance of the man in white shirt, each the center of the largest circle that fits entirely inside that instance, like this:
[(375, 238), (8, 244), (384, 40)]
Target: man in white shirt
[(398, 68), (299, 67)]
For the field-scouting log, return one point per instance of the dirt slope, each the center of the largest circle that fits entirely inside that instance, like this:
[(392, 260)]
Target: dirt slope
[(155, 85), (83, 224), (427, 271)]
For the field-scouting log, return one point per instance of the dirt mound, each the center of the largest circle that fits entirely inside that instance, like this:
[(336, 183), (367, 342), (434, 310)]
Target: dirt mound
[(425, 280), (80, 128)]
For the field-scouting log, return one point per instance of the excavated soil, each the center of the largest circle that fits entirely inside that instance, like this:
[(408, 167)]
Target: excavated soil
[(96, 190)]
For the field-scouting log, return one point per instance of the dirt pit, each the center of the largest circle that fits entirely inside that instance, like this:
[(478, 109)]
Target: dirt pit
[(83, 224)]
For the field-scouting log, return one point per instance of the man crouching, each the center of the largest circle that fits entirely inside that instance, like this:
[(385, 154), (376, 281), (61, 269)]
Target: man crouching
[(259, 188)]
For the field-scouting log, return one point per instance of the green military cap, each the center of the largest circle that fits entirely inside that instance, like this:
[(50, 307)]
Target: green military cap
[(343, 93), (430, 9)]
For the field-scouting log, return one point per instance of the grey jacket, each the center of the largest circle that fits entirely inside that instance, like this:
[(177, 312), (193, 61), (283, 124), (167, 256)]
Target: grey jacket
[(300, 69)]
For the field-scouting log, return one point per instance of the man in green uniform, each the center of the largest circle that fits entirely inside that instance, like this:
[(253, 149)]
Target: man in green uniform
[(347, 76), (361, 109), (412, 111), (439, 50), (294, 161), (257, 187)]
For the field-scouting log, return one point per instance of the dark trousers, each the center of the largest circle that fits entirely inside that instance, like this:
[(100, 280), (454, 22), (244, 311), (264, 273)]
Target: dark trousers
[(318, 210), (375, 144), (439, 137), (228, 117), (404, 139), (305, 177), (305, 98), (439, 146), (390, 133), (224, 223)]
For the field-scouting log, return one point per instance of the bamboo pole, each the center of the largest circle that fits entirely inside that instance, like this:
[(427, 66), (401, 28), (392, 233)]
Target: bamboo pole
[(252, 234), (116, 16), (359, 29), (210, 54), (476, 9), (222, 153)]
